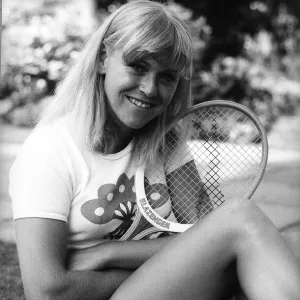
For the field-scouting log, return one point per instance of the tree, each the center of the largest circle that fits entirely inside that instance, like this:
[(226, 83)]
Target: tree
[(230, 20)]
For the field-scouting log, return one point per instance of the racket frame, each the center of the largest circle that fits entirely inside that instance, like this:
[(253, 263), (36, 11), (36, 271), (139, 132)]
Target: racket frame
[(149, 214), (145, 209)]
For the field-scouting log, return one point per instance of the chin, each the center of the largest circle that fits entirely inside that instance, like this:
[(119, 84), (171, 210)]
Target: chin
[(132, 124), (135, 126)]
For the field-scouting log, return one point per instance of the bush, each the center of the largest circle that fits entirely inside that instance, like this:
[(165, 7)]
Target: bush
[(35, 60)]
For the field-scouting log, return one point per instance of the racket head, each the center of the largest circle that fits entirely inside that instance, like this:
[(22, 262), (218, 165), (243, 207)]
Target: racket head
[(220, 153), (239, 130)]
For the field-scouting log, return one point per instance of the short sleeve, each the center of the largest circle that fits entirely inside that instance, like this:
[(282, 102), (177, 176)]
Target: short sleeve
[(40, 184)]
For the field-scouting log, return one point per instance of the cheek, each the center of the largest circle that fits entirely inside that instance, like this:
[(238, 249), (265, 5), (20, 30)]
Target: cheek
[(117, 83), (164, 108), (168, 95)]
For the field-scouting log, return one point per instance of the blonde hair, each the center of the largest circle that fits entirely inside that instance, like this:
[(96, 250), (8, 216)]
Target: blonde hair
[(140, 28)]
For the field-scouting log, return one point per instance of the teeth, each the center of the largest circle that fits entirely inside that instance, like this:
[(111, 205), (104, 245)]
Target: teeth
[(138, 103)]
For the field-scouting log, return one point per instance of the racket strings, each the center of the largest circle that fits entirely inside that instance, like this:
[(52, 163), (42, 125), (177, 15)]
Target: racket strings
[(219, 157)]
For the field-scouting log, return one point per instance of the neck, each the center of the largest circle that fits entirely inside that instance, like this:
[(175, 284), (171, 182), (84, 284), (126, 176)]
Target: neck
[(120, 133)]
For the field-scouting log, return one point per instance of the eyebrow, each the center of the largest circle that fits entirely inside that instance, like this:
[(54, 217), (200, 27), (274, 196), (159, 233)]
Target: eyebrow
[(175, 72), (172, 71)]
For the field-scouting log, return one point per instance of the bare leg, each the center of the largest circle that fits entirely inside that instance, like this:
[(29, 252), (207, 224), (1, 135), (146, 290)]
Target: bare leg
[(198, 264)]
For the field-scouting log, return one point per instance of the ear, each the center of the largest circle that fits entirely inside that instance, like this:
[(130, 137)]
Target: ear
[(102, 67), (103, 60)]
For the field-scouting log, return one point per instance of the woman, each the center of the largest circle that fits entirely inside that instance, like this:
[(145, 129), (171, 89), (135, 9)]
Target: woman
[(72, 183)]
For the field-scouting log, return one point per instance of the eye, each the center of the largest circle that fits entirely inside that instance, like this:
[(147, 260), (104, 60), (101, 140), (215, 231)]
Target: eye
[(139, 68), (169, 78)]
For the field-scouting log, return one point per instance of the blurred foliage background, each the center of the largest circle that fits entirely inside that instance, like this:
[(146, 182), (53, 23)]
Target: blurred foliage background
[(245, 51)]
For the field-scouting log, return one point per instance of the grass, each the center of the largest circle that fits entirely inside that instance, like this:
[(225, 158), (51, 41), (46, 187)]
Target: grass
[(10, 278)]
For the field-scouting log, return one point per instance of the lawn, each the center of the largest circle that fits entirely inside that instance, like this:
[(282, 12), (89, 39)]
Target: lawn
[(10, 278)]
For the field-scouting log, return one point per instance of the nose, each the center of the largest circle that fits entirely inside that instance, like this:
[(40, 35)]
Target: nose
[(148, 85)]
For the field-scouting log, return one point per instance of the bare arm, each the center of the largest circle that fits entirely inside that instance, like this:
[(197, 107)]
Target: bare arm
[(125, 255), (42, 252)]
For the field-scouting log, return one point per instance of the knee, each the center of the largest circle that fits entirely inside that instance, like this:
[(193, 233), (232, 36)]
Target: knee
[(245, 217)]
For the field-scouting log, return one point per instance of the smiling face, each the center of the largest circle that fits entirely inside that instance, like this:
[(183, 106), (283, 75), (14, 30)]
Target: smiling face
[(139, 91)]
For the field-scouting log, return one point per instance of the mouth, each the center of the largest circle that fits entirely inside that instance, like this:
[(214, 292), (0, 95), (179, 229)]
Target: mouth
[(139, 103)]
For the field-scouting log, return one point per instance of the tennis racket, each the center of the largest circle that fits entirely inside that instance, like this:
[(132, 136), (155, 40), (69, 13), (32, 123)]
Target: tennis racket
[(214, 151)]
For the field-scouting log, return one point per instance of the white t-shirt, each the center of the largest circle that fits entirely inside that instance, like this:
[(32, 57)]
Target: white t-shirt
[(55, 176)]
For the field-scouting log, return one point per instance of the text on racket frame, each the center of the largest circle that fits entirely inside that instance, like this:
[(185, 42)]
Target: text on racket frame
[(153, 217)]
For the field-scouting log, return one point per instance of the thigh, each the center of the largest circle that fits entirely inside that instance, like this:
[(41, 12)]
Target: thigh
[(198, 264)]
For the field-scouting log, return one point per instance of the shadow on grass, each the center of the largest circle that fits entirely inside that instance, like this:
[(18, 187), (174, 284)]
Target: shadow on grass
[(10, 284)]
